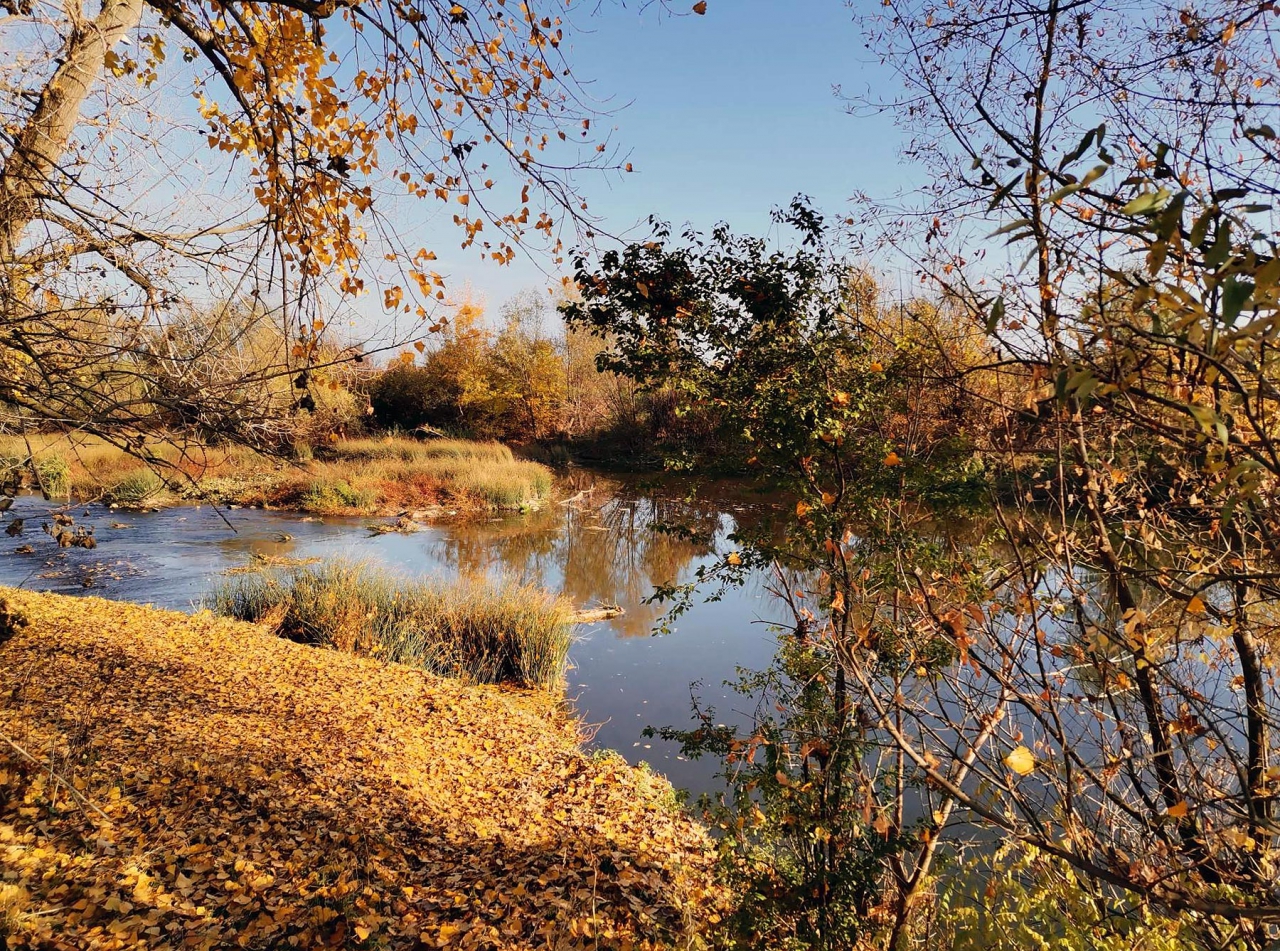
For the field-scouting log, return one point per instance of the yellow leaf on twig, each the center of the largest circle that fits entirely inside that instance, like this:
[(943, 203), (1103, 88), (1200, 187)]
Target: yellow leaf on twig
[(1021, 760)]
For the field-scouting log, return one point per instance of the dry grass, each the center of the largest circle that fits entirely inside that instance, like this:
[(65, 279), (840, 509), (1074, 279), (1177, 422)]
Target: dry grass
[(483, 632), (353, 477)]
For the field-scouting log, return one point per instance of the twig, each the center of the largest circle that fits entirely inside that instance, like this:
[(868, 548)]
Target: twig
[(48, 764)]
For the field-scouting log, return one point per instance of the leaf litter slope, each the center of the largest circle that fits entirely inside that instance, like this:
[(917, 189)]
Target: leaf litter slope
[(260, 793)]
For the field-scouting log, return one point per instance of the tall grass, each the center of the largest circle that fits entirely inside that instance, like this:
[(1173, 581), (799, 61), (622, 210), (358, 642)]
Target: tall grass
[(335, 496), (357, 476), (53, 471), (485, 471), (136, 487), (484, 632), (412, 450)]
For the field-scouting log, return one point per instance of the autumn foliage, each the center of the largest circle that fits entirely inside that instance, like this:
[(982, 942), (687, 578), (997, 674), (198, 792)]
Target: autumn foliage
[(185, 781)]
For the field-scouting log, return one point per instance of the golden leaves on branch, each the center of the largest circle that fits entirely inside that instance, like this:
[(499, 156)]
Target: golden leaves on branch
[(315, 135)]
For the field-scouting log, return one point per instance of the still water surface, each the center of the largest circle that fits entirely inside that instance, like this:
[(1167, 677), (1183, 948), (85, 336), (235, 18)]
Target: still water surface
[(599, 549)]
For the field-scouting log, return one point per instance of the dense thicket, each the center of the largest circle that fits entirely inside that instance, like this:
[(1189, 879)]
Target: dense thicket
[(1089, 671)]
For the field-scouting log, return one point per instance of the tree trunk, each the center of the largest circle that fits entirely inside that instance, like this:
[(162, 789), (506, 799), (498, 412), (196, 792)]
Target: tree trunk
[(29, 170)]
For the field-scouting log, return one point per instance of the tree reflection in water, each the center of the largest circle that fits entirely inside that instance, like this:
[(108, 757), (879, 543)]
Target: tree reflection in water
[(606, 543)]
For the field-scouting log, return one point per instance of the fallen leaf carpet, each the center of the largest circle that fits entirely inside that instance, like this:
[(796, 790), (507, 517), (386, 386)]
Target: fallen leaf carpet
[(185, 781)]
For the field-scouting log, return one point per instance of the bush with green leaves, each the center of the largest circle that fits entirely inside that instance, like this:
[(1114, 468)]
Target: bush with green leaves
[(1017, 898)]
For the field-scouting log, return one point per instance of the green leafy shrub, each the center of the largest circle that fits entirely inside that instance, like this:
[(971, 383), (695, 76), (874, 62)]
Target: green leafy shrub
[(1020, 899)]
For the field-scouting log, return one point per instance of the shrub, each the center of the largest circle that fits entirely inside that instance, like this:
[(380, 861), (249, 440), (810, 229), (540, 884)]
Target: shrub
[(336, 495), (481, 631), (404, 396), (1019, 898)]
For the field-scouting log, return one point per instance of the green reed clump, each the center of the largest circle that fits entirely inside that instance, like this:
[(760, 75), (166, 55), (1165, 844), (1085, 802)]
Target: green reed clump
[(135, 488), (508, 485), (474, 629), (52, 472), (484, 472)]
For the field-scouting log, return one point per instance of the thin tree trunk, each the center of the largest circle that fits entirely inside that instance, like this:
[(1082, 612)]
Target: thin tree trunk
[(30, 168)]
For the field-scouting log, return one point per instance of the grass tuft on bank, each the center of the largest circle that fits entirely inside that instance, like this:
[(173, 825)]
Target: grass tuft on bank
[(349, 477), (471, 628), (170, 781)]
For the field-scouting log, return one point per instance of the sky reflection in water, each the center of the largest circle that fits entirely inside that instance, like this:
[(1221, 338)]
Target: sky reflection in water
[(599, 550)]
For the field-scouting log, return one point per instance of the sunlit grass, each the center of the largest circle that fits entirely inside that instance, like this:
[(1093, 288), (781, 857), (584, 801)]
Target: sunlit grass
[(135, 487), (352, 477), (478, 630), (416, 451)]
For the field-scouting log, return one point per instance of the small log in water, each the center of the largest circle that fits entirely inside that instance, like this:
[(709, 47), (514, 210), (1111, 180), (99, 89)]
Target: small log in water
[(589, 615)]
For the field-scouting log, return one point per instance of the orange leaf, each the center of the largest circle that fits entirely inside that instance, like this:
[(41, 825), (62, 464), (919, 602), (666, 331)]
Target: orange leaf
[(700, 7), (892, 459)]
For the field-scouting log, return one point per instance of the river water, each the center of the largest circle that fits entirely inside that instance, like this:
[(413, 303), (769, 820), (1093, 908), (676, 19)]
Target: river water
[(600, 548)]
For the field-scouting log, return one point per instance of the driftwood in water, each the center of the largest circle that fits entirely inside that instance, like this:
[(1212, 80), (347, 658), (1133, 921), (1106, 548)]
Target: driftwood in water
[(588, 615), (579, 497)]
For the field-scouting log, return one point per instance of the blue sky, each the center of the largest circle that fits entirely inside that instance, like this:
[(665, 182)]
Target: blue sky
[(726, 116)]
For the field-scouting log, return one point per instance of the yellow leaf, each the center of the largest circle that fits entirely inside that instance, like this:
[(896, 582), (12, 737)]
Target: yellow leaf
[(828, 498), (1196, 605), (1021, 760), (734, 558), (802, 508)]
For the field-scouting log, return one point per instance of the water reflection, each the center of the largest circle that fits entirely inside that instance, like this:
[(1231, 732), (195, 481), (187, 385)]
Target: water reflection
[(600, 548), (604, 548)]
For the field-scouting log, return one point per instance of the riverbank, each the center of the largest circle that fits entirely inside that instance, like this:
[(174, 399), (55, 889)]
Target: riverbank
[(375, 476), (200, 782)]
